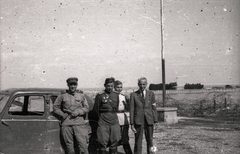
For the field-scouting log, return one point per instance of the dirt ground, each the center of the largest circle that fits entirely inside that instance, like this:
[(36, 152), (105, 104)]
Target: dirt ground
[(194, 135)]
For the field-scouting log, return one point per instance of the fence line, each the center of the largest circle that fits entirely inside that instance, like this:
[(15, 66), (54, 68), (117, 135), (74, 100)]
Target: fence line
[(196, 90), (180, 91), (209, 103)]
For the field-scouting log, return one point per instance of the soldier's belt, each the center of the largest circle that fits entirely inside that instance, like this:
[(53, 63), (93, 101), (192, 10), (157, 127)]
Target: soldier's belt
[(121, 111), (107, 111)]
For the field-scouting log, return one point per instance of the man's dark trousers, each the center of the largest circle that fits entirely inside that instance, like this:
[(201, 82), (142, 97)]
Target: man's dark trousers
[(148, 131)]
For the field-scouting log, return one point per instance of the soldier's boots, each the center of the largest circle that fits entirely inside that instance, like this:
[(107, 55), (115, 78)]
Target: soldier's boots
[(113, 150), (102, 151), (84, 153), (127, 149)]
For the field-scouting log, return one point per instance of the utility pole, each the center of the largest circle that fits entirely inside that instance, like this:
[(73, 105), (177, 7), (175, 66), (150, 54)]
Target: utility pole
[(166, 114), (162, 54)]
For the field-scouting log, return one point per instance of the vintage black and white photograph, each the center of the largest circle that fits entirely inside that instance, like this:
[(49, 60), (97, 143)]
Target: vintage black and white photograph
[(119, 76)]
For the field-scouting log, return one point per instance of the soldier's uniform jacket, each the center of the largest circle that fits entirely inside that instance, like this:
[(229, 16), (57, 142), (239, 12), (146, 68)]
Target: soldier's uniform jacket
[(105, 107), (71, 102)]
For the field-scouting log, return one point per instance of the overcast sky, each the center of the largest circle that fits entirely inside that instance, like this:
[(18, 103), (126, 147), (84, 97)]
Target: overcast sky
[(44, 42)]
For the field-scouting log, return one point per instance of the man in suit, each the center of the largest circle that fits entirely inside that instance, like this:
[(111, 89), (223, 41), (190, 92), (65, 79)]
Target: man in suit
[(143, 115)]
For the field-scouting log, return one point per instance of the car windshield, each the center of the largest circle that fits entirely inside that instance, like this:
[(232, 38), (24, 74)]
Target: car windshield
[(3, 101)]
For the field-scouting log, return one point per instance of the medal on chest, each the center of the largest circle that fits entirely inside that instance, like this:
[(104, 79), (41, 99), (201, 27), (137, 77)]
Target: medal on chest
[(106, 99)]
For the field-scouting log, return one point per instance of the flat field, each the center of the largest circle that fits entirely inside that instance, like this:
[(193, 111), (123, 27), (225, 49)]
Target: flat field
[(194, 136), (208, 123)]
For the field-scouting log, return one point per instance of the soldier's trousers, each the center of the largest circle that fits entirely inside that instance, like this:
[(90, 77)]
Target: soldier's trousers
[(108, 135), (80, 133)]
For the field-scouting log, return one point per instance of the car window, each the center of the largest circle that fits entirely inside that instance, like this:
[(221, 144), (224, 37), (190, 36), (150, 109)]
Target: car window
[(27, 105), (36, 103), (3, 101), (17, 104)]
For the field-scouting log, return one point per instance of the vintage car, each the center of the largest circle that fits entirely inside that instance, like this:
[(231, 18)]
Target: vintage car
[(28, 124)]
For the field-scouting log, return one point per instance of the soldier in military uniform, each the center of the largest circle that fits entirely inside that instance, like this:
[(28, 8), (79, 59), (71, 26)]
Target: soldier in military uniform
[(123, 114), (108, 131), (72, 107)]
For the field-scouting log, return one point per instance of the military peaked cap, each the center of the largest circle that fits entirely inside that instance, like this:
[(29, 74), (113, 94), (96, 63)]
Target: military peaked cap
[(109, 80), (72, 80)]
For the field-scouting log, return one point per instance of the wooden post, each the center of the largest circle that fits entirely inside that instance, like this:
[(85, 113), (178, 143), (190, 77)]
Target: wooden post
[(168, 115), (162, 55), (225, 103), (201, 107), (214, 105), (163, 81)]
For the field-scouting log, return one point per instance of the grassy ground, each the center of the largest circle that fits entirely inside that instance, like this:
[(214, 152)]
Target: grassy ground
[(195, 135), (214, 134)]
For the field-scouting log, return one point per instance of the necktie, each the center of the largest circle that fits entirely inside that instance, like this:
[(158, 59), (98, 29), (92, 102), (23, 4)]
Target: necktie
[(142, 95)]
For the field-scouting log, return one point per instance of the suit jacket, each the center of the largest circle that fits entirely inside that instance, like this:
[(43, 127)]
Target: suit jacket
[(143, 108)]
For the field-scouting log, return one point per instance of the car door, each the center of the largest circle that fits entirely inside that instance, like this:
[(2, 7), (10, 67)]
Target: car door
[(55, 141), (23, 125), (56, 144)]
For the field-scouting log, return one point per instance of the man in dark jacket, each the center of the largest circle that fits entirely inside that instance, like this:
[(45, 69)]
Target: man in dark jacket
[(72, 107), (143, 115)]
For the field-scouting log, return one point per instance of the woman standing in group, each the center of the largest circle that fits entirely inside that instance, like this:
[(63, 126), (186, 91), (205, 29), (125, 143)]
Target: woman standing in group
[(123, 106)]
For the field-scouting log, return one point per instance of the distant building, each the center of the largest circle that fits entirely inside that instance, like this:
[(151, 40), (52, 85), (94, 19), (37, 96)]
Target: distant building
[(193, 86), (170, 86)]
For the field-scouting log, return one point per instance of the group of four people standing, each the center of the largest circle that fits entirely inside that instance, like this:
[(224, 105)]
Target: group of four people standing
[(110, 109)]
